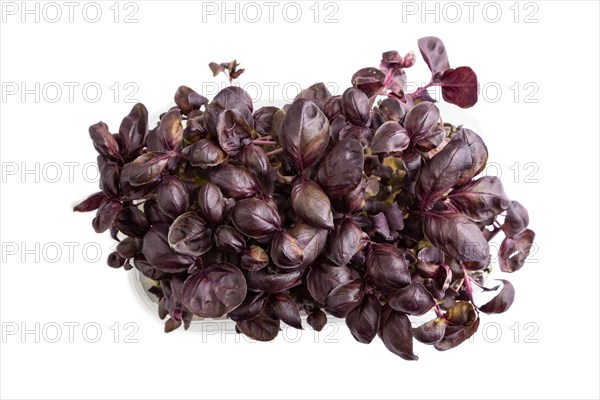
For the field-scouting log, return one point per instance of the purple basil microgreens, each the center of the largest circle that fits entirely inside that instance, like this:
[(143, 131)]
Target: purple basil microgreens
[(459, 86), (361, 206), (230, 69)]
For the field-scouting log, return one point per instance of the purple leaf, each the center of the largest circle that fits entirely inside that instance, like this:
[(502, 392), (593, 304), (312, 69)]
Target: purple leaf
[(434, 53), (502, 301), (393, 110), (211, 203), (363, 320), (344, 242), (255, 218), (254, 258), (438, 278), (341, 170), (338, 124), (457, 236), (431, 254), (481, 199), (304, 133), (286, 251), (430, 332), (205, 153), (190, 235), (513, 251), (263, 119), (131, 221), (127, 248), (343, 298), (255, 159), (369, 80), (261, 328), (233, 131), (158, 252), (352, 201), (380, 226), (387, 269), (92, 203), (234, 181), (431, 141), (413, 299), (214, 291), (109, 177), (517, 219), (188, 100), (332, 107), (282, 307), (395, 332), (421, 120), (233, 98), (395, 217), (133, 131), (317, 320), (145, 169), (363, 134), (390, 137), (311, 240), (104, 142), (147, 269), (412, 163), (311, 204), (252, 306), (317, 93), (154, 215), (265, 281), (105, 215), (462, 313), (456, 164), (459, 86), (172, 196), (449, 342), (216, 68), (170, 130), (355, 106), (229, 239), (322, 279)]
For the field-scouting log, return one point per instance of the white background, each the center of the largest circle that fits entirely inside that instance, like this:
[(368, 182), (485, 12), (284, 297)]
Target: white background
[(546, 346)]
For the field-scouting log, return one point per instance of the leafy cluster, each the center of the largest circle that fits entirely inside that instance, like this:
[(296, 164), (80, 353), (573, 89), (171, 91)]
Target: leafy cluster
[(364, 206)]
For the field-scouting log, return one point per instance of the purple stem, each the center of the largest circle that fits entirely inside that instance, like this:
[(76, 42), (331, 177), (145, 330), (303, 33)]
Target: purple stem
[(263, 142), (421, 89), (468, 284), (494, 232), (178, 154), (272, 153), (388, 78)]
